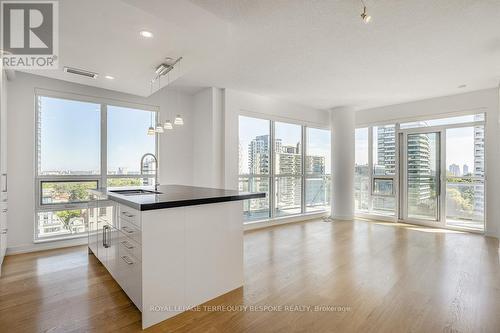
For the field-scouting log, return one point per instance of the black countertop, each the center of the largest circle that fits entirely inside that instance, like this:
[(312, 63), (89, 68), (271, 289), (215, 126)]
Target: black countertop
[(171, 196)]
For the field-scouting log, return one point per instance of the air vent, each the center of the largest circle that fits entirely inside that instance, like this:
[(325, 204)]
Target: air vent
[(81, 72)]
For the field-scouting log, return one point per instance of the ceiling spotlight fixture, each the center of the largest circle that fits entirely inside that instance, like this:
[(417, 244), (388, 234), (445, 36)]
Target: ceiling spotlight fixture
[(364, 16), (109, 77), (146, 34)]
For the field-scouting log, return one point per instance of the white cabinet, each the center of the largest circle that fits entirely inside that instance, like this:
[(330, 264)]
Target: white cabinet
[(116, 242), (172, 258), (3, 167)]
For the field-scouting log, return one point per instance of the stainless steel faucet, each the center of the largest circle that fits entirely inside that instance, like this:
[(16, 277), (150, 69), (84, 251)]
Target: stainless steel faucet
[(156, 167)]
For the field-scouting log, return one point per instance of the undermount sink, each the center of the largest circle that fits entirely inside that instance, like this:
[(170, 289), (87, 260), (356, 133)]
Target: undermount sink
[(134, 192)]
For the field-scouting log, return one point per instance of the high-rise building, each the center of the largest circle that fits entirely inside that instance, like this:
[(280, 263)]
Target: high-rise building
[(454, 170), (258, 164), (386, 150), (288, 161), (479, 170), (258, 155), (420, 176), (465, 170)]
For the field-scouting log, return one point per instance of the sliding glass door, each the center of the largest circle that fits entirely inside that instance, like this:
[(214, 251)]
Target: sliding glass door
[(422, 176)]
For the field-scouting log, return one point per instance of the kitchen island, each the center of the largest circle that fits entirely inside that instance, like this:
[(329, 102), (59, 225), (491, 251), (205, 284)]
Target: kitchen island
[(169, 248)]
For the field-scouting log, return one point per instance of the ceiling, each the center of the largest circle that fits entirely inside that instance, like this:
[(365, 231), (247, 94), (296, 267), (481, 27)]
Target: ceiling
[(316, 52)]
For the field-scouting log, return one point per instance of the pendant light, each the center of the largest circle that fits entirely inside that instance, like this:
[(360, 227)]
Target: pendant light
[(178, 119), (151, 129), (159, 127), (162, 70), (167, 125)]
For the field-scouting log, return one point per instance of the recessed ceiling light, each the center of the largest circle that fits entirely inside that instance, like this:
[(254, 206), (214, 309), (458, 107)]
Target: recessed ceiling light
[(109, 77), (146, 34), (462, 86)]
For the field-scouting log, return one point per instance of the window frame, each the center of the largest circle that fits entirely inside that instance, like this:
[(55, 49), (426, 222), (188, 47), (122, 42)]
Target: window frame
[(398, 197), (101, 178), (273, 176)]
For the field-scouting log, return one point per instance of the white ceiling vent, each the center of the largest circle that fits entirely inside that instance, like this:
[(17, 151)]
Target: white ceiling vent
[(81, 72)]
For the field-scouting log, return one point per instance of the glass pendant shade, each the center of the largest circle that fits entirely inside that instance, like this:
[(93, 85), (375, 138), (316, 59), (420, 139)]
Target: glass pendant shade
[(178, 120), (159, 128), (167, 125)]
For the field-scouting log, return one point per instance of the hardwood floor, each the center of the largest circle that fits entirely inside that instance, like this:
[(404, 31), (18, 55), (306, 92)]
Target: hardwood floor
[(382, 278)]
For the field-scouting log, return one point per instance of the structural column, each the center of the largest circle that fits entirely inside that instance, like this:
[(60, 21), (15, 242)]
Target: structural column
[(343, 128)]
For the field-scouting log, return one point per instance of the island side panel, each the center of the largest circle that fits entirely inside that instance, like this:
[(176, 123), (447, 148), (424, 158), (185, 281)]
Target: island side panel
[(214, 250), (163, 264)]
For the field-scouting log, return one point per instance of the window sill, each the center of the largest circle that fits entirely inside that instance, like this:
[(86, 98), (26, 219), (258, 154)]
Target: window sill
[(58, 239)]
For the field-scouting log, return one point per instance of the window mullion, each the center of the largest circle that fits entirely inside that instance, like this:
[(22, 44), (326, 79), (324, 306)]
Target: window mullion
[(302, 170), (272, 179), (104, 145)]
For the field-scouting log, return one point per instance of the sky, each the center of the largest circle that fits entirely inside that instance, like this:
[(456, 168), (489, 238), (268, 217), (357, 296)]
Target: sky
[(70, 136)]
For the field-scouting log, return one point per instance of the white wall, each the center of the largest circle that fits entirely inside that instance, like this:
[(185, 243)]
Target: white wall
[(478, 101), (207, 138), (175, 154), (236, 103)]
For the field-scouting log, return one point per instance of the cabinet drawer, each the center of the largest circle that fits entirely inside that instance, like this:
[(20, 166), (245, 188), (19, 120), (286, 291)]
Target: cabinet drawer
[(129, 276), (130, 214), (130, 230), (128, 246)]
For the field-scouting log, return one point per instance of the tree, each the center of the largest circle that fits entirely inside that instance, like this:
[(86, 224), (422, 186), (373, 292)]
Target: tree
[(67, 215)]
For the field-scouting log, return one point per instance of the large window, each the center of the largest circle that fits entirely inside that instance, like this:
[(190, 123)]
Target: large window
[(127, 142), (272, 159), (465, 177), (429, 171), (317, 169), (288, 168), (69, 155), (361, 171), (254, 165), (375, 170)]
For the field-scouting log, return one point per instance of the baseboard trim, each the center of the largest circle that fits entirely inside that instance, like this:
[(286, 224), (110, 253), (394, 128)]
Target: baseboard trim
[(343, 218), (282, 220), (34, 247)]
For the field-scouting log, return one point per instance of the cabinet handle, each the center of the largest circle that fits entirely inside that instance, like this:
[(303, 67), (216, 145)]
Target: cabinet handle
[(105, 237), (127, 260), (127, 245), (4, 210), (128, 215), (127, 230), (4, 231)]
